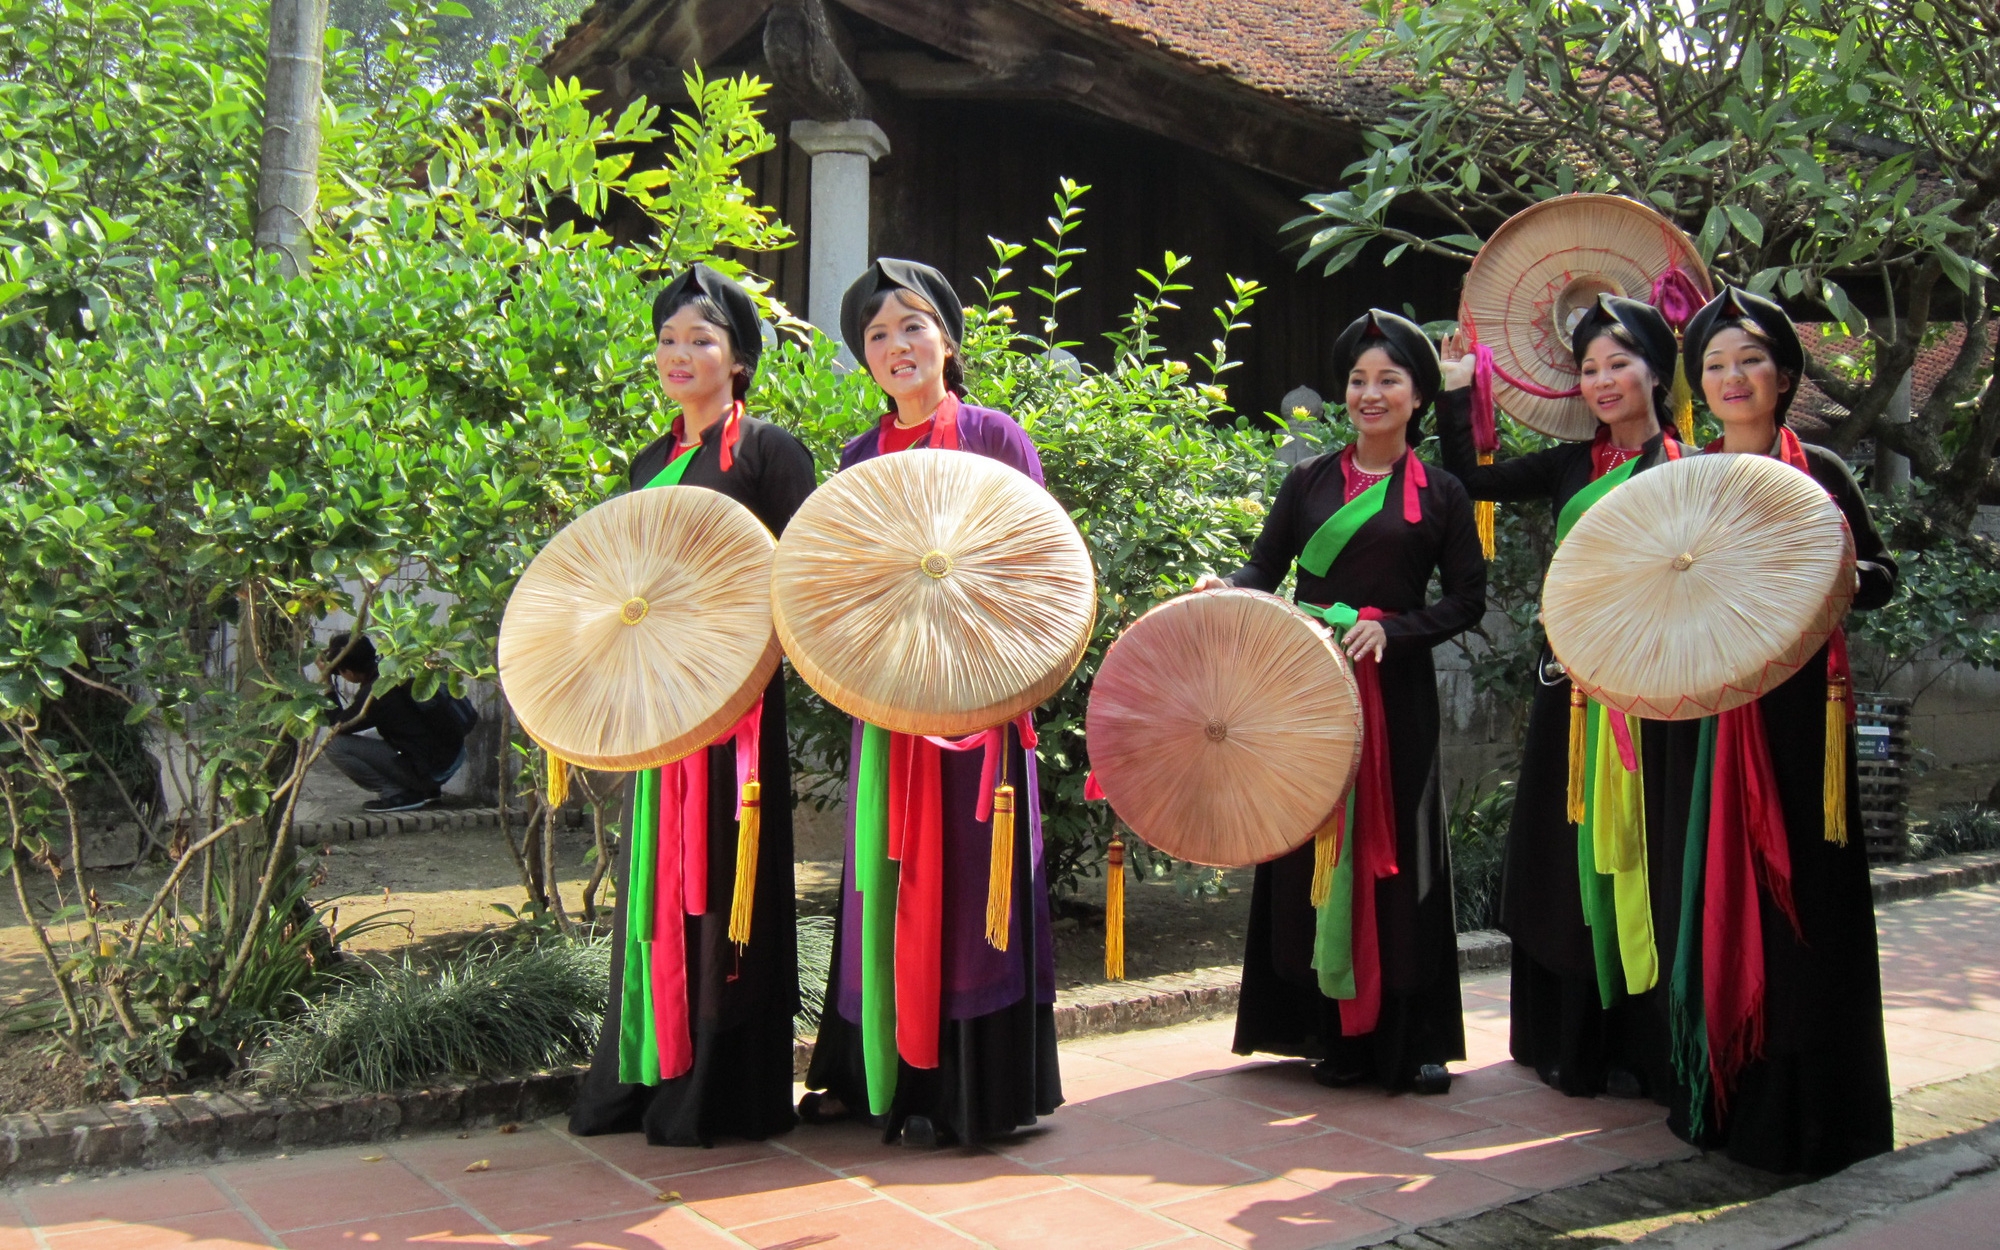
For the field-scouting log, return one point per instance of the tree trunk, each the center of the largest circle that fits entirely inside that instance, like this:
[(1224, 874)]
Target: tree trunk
[(288, 162)]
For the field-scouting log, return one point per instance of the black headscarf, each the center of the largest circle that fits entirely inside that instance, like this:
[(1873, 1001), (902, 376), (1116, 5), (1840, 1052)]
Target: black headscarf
[(888, 273), (1406, 342), (1737, 304), (746, 331), (1649, 330)]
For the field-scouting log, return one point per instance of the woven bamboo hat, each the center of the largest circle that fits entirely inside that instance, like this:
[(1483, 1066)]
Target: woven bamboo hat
[(1698, 586), (643, 630), (1544, 268), (1224, 727), (933, 592)]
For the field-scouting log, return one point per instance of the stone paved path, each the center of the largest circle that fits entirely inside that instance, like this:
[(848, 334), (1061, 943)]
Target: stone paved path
[(1167, 1139)]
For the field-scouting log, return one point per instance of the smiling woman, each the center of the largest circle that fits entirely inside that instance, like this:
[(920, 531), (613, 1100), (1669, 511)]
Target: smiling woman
[(1351, 955), (1579, 1020)]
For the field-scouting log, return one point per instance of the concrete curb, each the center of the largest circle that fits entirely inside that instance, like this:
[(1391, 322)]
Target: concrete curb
[(192, 1128), (1934, 876), (353, 828), (1809, 1212)]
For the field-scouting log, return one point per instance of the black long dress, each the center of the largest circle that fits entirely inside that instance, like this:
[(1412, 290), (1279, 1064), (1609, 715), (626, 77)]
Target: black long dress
[(1388, 565), (740, 1005), (1558, 1024), (1818, 1099)]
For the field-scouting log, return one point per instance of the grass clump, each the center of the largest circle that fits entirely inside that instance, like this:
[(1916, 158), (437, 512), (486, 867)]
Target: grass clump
[(1477, 825), (815, 961), (1958, 828), (490, 1011)]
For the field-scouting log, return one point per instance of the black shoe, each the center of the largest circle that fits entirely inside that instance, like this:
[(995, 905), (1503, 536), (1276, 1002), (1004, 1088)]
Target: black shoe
[(1623, 1083), (1324, 1074), (813, 1109), (1432, 1078), (403, 802), (919, 1133)]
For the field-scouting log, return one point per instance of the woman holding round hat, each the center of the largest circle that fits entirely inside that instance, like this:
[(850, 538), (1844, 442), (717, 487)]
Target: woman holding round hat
[(1777, 998), (1356, 964), (982, 1061), (1587, 1011), (698, 1045)]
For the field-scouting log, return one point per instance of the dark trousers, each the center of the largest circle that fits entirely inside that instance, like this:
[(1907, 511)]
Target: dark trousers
[(374, 765)]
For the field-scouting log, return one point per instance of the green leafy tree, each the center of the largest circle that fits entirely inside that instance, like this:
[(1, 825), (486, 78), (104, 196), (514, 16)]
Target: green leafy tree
[(198, 473), (1821, 150)]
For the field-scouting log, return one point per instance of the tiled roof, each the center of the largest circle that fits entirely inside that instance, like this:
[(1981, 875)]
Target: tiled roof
[(1287, 48), (1816, 411)]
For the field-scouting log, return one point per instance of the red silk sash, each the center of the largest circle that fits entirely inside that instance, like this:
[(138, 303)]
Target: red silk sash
[(1374, 843), (944, 425), (681, 882)]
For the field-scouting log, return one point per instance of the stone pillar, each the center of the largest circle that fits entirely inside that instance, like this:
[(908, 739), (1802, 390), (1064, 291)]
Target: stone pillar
[(841, 153), (1892, 468)]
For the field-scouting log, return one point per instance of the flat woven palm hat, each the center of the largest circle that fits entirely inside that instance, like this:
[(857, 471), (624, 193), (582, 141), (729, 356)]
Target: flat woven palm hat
[(642, 631), (1543, 270), (933, 592), (1698, 586), (1224, 727)]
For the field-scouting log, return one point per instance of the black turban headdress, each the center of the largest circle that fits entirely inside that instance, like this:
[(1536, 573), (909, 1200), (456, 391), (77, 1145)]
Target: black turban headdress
[(1737, 304), (746, 330), (888, 273), (1405, 340), (1642, 321)]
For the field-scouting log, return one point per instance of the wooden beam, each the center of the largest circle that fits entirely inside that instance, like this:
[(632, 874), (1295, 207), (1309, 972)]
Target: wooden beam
[(684, 33), (923, 76), (1130, 82)]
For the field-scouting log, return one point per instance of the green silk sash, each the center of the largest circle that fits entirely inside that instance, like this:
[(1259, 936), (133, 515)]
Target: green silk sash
[(1580, 503), (1600, 907), (1333, 923), (638, 1047), (875, 879), (1686, 1013), (675, 470), (1330, 539)]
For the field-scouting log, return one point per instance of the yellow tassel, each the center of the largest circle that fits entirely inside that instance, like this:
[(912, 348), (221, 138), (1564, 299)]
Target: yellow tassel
[(1680, 401), (558, 780), (1326, 843), (748, 829), (1000, 873), (1114, 911), (1834, 793), (1482, 515), (1576, 761)]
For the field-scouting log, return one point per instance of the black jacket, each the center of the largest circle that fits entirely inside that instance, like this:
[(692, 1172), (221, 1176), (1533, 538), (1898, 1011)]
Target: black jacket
[(427, 733)]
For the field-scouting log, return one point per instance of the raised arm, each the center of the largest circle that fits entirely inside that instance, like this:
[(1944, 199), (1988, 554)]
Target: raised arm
[(1524, 478), (1461, 579)]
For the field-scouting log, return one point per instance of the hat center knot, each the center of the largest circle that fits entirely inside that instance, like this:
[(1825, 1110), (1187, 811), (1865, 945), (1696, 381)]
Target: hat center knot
[(935, 563), (1683, 562), (1215, 730), (634, 610)]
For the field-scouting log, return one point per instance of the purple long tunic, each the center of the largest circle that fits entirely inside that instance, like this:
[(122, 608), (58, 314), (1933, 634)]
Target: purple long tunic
[(975, 978)]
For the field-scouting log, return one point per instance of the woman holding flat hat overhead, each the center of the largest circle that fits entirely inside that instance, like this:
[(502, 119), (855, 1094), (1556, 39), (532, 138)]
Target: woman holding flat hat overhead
[(1588, 1005), (1778, 1006), (1360, 969), (982, 1061), (697, 1044)]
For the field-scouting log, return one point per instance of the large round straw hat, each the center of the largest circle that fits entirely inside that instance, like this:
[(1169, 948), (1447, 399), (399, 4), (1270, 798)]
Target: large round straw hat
[(933, 592), (1542, 270), (1698, 586), (1224, 727), (642, 631)]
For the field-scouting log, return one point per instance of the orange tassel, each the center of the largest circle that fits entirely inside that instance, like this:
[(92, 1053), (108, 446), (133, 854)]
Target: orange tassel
[(748, 829), (1482, 515), (1577, 738), (1000, 873), (1114, 911), (558, 780), (1326, 854)]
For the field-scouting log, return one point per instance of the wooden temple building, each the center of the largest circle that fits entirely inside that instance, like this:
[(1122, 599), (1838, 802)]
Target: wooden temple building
[(922, 128)]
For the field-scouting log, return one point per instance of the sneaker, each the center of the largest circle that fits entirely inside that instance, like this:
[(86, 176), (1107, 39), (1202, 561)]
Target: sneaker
[(404, 802)]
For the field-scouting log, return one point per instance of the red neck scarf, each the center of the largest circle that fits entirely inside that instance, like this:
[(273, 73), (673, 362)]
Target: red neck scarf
[(944, 425), (732, 433), (1354, 481)]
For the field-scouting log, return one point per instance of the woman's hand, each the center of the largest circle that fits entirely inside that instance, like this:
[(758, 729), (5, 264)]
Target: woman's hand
[(1210, 581), (1455, 354), (1365, 640)]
